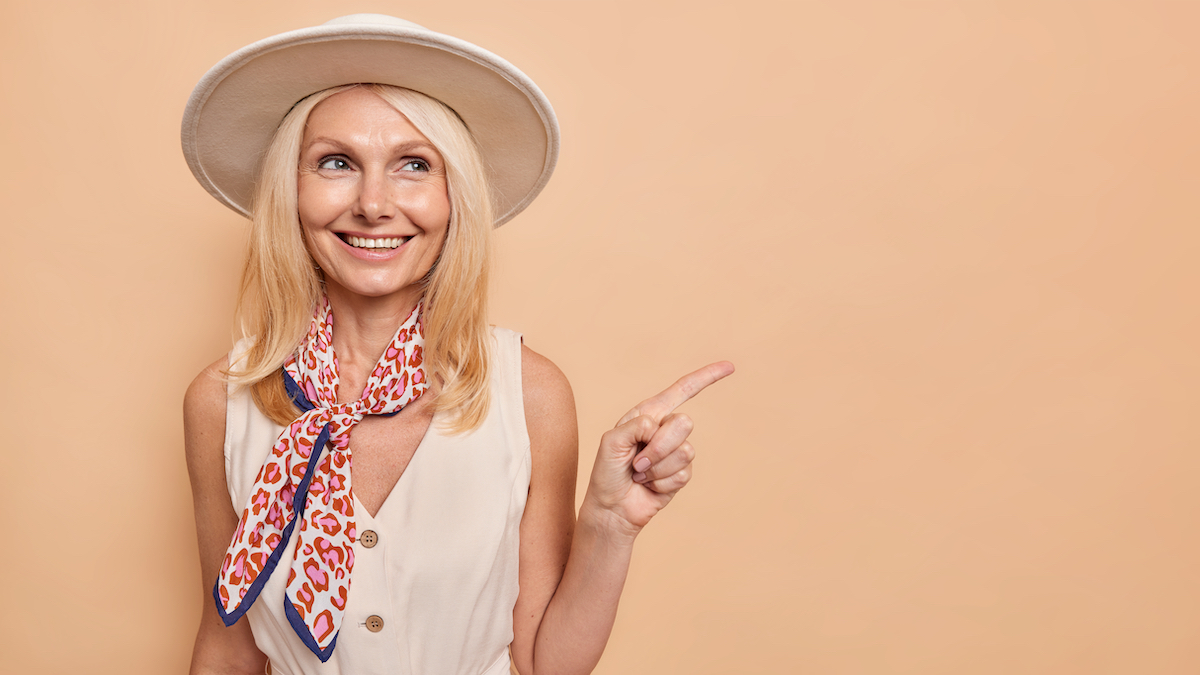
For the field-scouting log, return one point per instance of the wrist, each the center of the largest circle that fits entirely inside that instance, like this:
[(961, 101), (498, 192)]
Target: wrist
[(605, 522)]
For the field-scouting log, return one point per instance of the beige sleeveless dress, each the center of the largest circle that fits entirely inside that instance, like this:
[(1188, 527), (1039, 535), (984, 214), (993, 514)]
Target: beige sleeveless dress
[(435, 581)]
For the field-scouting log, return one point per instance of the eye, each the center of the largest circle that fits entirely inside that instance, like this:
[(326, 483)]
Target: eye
[(414, 164), (334, 164)]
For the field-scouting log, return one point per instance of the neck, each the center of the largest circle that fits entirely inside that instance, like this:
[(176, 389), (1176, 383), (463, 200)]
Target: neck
[(362, 328)]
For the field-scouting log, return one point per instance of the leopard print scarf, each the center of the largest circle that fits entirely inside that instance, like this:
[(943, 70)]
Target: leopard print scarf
[(300, 482)]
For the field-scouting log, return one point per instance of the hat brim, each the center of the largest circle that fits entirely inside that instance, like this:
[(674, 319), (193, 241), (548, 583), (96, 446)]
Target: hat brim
[(234, 110)]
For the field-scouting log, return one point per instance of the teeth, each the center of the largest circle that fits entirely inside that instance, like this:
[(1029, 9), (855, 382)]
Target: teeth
[(386, 242)]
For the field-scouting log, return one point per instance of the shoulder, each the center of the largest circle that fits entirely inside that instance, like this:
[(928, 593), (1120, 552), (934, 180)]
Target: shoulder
[(545, 387), (549, 410), (207, 390), (204, 406)]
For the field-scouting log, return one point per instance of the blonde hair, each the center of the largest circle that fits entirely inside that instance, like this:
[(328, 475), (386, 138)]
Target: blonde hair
[(281, 283)]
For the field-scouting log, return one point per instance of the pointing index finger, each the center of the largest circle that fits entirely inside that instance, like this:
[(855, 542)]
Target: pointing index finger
[(666, 401)]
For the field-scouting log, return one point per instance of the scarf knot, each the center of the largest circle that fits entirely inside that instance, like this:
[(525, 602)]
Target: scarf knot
[(300, 482)]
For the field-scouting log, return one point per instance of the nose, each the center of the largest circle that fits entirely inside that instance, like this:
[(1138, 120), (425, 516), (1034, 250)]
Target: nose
[(375, 202)]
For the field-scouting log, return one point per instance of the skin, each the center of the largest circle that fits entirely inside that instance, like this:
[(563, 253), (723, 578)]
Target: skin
[(365, 171)]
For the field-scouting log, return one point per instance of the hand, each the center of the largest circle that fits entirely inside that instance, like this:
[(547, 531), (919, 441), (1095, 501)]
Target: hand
[(646, 458)]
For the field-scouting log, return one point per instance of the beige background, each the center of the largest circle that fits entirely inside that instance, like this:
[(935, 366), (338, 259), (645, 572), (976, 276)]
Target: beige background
[(950, 245)]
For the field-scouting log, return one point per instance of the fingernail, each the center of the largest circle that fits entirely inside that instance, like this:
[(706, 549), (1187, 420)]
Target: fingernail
[(639, 477), (642, 464)]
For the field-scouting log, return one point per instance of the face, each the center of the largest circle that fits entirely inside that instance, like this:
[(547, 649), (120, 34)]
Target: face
[(372, 197)]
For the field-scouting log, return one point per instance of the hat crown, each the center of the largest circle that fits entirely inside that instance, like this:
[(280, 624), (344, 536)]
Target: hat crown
[(372, 20)]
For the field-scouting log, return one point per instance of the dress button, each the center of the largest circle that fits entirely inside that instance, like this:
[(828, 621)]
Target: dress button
[(374, 623), (368, 539)]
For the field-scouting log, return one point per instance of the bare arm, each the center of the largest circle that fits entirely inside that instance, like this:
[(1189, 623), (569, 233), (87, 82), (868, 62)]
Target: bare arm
[(549, 520), (218, 650), (571, 581)]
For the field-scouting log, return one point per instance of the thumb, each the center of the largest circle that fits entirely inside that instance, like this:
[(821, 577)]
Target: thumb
[(621, 443)]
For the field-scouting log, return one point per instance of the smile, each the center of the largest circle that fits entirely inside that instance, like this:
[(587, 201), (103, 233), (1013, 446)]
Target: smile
[(383, 242)]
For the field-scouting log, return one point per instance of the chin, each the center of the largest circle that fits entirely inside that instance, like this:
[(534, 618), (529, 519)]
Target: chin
[(379, 290)]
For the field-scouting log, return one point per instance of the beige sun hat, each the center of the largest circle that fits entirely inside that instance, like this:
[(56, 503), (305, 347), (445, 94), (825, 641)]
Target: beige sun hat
[(234, 110)]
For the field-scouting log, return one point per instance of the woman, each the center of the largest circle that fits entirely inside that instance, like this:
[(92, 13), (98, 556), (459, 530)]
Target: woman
[(364, 306)]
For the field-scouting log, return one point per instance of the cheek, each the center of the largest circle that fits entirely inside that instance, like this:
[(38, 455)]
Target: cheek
[(431, 212), (319, 202), (310, 234), (432, 209), (441, 227), (439, 246)]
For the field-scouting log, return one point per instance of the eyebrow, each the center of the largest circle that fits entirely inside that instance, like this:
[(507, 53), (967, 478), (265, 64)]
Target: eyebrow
[(407, 146)]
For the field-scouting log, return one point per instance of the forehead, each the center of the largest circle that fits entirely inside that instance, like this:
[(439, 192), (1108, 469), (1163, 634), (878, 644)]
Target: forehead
[(359, 117)]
